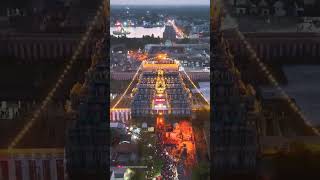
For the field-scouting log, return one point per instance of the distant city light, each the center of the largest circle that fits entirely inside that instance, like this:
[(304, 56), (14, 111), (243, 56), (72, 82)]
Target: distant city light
[(134, 137), (162, 56)]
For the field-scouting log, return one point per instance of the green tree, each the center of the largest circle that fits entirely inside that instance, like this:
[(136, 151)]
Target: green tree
[(201, 171), (138, 175)]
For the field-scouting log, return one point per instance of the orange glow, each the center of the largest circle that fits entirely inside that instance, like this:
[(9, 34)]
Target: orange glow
[(162, 56), (182, 137), (172, 67), (138, 55)]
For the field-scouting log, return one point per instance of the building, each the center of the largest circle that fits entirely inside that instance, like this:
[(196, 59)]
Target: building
[(234, 139), (119, 174), (161, 90), (46, 46), (169, 33), (41, 153), (122, 115), (87, 149), (276, 8), (30, 164), (279, 46), (124, 154)]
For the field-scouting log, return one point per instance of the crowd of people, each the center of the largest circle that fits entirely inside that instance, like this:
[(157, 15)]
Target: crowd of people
[(168, 169)]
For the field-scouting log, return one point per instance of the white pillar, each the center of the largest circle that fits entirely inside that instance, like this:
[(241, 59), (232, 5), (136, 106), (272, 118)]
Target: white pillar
[(314, 50), (53, 169), (65, 167), (39, 169), (274, 50), (1, 174), (12, 169), (259, 50), (21, 49), (55, 50), (294, 50), (117, 115), (41, 50), (113, 116), (127, 115), (28, 51), (25, 169), (35, 54), (122, 116), (288, 47), (47, 49), (60, 49), (267, 51), (15, 50)]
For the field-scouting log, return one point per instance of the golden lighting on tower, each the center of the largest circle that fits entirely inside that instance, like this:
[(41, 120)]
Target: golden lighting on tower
[(162, 56)]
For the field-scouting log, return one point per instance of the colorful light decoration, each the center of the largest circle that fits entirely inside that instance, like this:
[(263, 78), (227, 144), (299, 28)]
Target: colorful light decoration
[(160, 100), (162, 56), (128, 87)]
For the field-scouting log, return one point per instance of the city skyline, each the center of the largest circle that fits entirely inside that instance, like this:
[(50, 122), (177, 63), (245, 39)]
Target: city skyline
[(160, 2)]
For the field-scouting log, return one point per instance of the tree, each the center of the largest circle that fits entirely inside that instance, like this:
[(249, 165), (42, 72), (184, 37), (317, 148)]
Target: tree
[(201, 171), (138, 175), (155, 164)]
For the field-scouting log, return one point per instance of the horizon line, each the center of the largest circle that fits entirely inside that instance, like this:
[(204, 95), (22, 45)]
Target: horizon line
[(160, 4)]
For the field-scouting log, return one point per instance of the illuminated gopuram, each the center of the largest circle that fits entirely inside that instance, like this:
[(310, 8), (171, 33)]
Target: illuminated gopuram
[(235, 114), (161, 91), (87, 149)]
